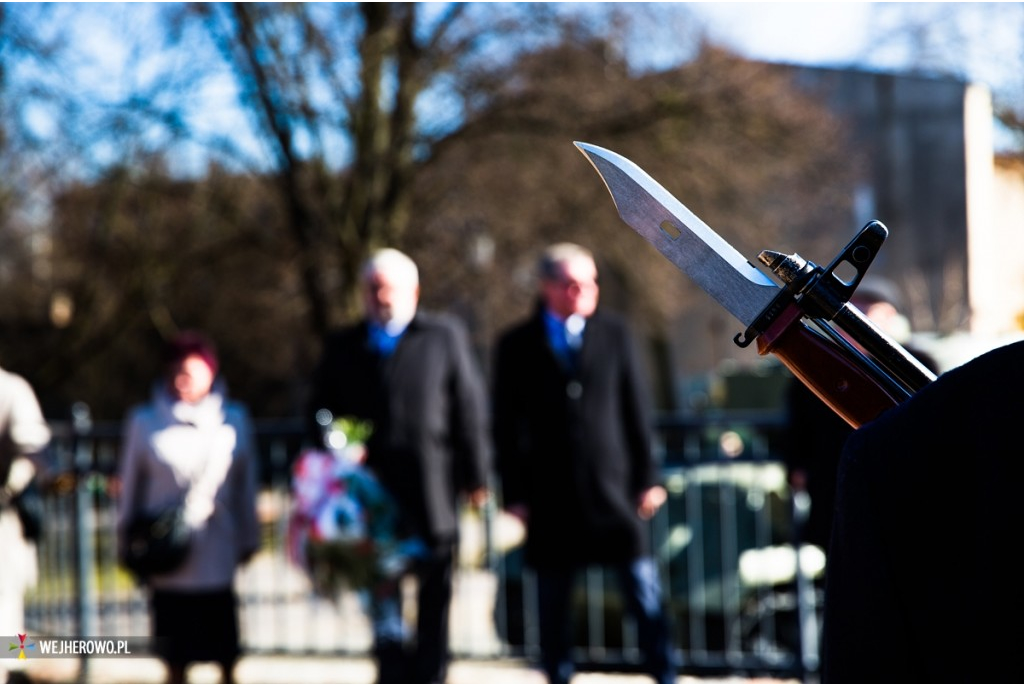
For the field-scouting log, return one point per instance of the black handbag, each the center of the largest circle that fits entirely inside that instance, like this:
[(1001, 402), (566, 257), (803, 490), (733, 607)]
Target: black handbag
[(157, 542)]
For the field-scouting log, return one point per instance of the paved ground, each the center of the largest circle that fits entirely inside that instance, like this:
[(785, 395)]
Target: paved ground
[(291, 669)]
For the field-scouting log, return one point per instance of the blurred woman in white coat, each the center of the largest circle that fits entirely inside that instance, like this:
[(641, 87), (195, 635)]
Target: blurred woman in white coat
[(191, 444), (24, 436)]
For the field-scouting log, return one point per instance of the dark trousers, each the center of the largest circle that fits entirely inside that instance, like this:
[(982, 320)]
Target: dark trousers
[(641, 590), (428, 661), (196, 625)]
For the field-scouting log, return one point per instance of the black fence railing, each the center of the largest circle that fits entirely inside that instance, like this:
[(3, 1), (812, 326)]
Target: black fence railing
[(739, 599)]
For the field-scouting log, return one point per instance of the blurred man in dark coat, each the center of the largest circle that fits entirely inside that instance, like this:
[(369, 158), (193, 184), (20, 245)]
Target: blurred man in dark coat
[(815, 435), (924, 581), (572, 429), (412, 374)]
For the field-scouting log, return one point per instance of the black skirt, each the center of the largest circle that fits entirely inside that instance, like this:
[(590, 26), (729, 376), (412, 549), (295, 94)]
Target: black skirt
[(195, 625)]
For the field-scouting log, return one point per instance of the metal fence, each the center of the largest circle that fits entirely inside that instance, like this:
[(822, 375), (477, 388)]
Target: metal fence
[(739, 601)]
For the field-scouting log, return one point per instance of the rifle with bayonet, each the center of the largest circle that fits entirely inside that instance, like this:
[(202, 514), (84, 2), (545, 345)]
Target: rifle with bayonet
[(807, 322)]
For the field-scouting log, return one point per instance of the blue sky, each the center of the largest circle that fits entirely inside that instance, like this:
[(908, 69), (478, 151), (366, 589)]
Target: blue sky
[(984, 41), (818, 33), (980, 40)]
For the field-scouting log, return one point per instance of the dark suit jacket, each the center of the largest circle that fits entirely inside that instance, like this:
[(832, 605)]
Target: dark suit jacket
[(924, 580), (574, 446), (813, 440), (427, 402)]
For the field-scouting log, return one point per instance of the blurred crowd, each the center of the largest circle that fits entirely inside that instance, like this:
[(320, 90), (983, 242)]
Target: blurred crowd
[(402, 432)]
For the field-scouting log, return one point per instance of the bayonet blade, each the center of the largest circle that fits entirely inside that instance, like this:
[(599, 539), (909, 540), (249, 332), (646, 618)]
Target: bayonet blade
[(682, 237)]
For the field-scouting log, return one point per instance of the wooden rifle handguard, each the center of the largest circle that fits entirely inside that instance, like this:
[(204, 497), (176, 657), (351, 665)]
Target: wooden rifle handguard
[(828, 370)]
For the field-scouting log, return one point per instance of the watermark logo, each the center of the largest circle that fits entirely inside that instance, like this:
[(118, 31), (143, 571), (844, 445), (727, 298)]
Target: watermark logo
[(58, 647), (21, 645)]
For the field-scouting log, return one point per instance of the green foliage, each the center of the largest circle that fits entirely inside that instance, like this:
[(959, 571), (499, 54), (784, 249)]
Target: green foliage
[(356, 431)]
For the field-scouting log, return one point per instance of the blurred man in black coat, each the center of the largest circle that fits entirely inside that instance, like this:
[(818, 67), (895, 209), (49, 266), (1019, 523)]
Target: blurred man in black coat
[(924, 581), (815, 435), (413, 376), (572, 430)]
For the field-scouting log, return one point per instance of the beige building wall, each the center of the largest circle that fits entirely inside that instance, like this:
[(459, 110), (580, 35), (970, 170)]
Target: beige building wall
[(998, 266), (994, 250), (984, 252)]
